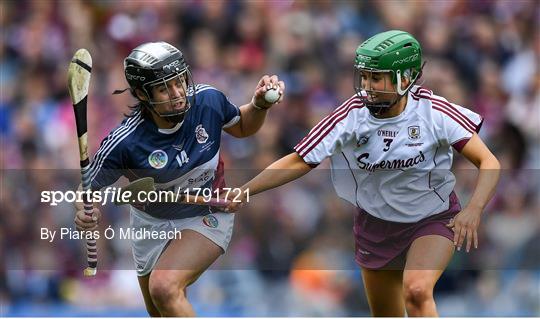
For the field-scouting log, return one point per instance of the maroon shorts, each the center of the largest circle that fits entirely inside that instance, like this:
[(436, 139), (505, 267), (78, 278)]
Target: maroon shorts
[(381, 244)]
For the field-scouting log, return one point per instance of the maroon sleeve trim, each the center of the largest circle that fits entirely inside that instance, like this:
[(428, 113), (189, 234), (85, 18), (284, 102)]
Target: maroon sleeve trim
[(312, 165), (459, 145), (479, 126)]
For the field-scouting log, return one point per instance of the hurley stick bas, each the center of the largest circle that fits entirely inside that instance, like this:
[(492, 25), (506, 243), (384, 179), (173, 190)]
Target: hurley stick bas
[(79, 72)]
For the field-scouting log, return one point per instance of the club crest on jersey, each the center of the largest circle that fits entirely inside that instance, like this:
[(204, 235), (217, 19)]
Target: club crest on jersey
[(158, 159), (414, 132), (210, 221), (200, 134)]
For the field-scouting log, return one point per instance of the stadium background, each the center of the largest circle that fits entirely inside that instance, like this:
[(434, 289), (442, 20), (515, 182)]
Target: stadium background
[(481, 54)]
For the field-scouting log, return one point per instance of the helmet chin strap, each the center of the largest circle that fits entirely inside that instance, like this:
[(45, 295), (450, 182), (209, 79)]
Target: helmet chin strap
[(399, 90)]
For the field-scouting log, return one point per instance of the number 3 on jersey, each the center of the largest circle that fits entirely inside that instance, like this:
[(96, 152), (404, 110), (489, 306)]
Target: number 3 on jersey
[(387, 142), (182, 158)]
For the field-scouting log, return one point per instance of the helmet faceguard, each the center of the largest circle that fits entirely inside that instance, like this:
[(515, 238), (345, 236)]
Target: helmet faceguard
[(178, 104), (380, 101), (160, 65), (389, 56)]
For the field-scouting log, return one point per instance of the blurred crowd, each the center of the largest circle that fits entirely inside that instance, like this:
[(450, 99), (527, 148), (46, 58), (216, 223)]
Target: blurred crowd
[(292, 249)]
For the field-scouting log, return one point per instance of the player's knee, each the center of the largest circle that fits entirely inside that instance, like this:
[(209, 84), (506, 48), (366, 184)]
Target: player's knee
[(165, 291), (163, 294), (417, 292)]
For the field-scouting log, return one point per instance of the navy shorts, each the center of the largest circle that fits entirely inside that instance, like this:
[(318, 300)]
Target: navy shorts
[(381, 244)]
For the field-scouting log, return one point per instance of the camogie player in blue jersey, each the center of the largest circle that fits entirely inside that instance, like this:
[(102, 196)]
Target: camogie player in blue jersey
[(173, 135), (391, 150)]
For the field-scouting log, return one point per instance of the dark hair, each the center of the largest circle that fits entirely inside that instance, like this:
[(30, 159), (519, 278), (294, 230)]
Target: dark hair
[(139, 107)]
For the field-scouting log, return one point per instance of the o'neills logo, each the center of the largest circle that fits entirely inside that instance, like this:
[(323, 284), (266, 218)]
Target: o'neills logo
[(389, 164)]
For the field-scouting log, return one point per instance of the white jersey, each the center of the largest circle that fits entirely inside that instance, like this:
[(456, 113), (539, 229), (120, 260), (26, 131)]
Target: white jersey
[(396, 169)]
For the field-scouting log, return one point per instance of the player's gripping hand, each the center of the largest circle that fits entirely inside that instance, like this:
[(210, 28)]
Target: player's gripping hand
[(268, 83), (84, 222), (237, 203), (465, 225)]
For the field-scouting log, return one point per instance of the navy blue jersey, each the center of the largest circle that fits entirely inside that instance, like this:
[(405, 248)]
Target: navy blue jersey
[(185, 156)]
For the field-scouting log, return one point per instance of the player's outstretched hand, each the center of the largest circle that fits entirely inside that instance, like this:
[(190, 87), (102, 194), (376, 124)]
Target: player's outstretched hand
[(237, 203), (268, 83), (465, 225), (84, 222)]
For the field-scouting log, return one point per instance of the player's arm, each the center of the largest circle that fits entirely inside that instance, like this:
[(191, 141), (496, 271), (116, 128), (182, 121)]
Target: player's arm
[(478, 153), (282, 171), (309, 152), (253, 114), (467, 221)]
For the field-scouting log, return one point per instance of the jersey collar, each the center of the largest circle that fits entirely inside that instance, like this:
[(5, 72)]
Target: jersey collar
[(172, 129)]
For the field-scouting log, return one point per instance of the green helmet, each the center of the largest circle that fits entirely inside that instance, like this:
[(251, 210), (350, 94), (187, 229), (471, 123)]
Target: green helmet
[(396, 52)]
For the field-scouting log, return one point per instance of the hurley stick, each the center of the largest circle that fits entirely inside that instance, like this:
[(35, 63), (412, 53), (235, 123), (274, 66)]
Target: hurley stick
[(79, 71)]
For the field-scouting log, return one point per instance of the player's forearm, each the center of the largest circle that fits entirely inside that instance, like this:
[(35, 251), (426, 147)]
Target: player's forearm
[(252, 119), (488, 177), (278, 173)]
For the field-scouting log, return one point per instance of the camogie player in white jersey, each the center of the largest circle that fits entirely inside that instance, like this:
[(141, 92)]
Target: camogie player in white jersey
[(391, 148)]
